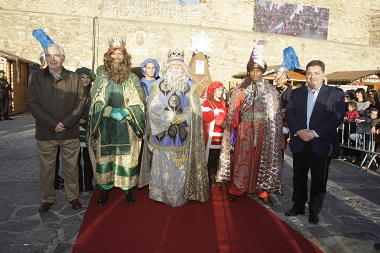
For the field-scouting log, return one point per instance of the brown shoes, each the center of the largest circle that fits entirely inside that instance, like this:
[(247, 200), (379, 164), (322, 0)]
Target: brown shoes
[(44, 207), (75, 204)]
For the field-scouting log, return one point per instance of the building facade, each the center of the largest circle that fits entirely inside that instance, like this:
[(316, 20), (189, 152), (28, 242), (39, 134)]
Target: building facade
[(152, 27)]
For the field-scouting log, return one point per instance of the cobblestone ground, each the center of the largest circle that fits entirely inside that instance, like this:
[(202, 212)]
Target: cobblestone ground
[(349, 221), (22, 228)]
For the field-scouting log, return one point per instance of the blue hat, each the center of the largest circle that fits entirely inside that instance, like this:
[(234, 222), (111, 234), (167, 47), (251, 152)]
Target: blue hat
[(144, 63)]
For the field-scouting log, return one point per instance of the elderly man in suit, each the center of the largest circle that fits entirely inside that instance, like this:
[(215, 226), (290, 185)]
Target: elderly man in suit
[(313, 114)]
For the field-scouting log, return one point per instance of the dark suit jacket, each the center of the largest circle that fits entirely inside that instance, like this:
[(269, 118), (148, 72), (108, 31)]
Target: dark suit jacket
[(327, 115)]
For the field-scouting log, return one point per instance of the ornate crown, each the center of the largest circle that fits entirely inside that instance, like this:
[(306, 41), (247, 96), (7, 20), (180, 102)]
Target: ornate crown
[(116, 43), (176, 55)]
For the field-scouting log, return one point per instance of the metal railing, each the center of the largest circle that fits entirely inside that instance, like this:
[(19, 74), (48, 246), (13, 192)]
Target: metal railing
[(358, 136)]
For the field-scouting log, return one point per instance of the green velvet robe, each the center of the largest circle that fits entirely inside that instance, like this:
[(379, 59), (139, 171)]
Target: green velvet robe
[(116, 144)]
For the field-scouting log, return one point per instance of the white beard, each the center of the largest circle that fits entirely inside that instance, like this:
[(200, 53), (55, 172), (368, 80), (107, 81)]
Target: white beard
[(177, 79)]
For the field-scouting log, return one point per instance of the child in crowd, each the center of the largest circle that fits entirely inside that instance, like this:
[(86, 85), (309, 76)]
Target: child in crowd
[(352, 112), (348, 126), (362, 137)]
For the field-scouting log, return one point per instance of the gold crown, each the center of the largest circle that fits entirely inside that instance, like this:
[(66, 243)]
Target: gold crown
[(176, 55), (116, 43)]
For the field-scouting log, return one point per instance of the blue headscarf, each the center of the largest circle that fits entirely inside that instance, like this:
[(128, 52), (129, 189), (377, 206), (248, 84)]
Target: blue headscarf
[(143, 64)]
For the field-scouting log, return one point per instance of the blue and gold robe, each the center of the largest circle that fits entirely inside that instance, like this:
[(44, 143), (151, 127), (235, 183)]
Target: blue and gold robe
[(178, 170)]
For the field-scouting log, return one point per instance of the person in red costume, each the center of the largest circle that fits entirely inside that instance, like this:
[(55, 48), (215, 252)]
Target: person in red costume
[(214, 112), (254, 126)]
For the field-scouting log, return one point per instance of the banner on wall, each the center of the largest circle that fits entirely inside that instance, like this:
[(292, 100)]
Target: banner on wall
[(186, 1), (291, 19)]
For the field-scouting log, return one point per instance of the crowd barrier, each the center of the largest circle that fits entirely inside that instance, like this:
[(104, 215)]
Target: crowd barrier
[(358, 136)]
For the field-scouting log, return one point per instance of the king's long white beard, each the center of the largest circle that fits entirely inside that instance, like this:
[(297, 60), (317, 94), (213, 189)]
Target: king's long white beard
[(177, 79)]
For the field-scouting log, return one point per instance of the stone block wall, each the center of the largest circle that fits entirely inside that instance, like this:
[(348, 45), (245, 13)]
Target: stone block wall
[(375, 31), (152, 27)]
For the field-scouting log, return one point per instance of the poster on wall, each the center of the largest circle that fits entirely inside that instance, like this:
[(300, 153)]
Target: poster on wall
[(291, 19), (186, 1)]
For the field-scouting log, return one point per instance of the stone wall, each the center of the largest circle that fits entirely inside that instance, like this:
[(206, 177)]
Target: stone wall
[(152, 27), (375, 31)]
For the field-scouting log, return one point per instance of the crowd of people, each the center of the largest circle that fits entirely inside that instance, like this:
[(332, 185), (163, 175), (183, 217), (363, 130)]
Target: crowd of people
[(132, 133), (360, 129)]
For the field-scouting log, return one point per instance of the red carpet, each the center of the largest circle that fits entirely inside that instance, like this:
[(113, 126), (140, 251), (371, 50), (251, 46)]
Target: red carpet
[(218, 225)]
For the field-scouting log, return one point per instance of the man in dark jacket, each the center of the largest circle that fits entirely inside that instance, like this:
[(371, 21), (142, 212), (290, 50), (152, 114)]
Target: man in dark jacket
[(313, 114), (56, 100), (4, 95)]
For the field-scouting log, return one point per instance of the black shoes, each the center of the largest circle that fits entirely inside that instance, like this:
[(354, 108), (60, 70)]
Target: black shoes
[(6, 118), (295, 211), (232, 197), (103, 198), (128, 195), (377, 246), (313, 218)]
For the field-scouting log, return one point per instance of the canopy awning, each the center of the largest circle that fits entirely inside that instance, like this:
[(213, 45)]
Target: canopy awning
[(348, 77)]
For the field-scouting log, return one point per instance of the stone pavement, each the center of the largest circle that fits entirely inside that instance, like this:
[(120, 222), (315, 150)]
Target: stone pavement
[(349, 221)]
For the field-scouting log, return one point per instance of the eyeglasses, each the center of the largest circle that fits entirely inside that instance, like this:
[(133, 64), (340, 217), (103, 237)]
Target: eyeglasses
[(53, 56)]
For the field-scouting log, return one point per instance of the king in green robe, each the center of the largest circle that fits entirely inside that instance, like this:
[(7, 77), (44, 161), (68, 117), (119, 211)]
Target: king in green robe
[(116, 143)]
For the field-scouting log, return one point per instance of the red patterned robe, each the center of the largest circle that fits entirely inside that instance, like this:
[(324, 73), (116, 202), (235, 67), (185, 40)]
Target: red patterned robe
[(255, 117)]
